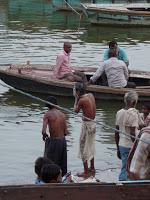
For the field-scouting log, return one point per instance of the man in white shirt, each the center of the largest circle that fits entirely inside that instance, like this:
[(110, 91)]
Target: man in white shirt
[(116, 71), (127, 121)]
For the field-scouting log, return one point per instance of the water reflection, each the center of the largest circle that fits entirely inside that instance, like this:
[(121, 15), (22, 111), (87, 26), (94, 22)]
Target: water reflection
[(130, 36), (106, 110), (33, 31), (21, 122)]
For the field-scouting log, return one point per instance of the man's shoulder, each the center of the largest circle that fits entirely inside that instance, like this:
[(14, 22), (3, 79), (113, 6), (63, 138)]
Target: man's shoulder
[(121, 111), (59, 113), (48, 113), (90, 95), (132, 111), (61, 54), (121, 49), (54, 112), (121, 62), (86, 96), (132, 114), (106, 50), (105, 62)]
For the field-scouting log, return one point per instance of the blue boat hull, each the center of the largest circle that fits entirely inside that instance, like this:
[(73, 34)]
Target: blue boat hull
[(103, 15)]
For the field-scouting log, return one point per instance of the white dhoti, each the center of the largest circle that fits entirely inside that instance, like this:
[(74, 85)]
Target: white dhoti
[(87, 141)]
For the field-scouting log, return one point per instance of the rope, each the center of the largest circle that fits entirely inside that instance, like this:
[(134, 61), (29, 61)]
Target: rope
[(72, 112), (72, 8), (80, 15)]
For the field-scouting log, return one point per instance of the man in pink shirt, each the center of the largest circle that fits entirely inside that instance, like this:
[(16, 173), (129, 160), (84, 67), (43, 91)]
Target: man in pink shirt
[(63, 70)]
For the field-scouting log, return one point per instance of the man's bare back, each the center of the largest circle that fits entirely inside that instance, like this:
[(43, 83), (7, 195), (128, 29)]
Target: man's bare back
[(55, 120), (86, 102)]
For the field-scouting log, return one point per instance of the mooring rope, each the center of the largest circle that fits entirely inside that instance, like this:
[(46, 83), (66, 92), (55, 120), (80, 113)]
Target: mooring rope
[(80, 15), (74, 113)]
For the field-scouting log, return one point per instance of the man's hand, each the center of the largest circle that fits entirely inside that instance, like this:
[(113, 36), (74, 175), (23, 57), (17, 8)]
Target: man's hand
[(45, 136), (118, 154), (90, 82)]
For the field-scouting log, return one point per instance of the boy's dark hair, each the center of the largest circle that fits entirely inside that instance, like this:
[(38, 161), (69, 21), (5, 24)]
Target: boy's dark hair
[(146, 105), (112, 44), (80, 87), (40, 161), (49, 172), (52, 100)]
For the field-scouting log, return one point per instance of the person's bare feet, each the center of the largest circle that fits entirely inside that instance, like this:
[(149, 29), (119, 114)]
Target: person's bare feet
[(92, 171), (83, 174)]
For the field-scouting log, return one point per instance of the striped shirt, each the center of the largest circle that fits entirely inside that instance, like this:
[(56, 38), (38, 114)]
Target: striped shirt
[(140, 163), (116, 72)]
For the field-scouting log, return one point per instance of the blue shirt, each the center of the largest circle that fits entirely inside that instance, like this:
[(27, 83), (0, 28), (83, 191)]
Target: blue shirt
[(121, 55)]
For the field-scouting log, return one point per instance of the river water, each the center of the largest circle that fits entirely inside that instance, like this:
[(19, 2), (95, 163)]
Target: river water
[(31, 30)]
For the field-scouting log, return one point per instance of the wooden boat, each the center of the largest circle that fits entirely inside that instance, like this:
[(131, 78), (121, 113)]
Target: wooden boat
[(68, 5), (38, 79), (94, 191), (137, 14)]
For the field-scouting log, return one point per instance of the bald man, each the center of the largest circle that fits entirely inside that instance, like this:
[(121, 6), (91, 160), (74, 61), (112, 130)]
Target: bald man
[(63, 69)]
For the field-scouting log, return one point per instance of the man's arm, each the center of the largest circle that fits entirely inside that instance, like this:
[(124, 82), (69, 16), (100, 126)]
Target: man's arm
[(59, 62), (132, 123), (106, 55), (132, 133), (125, 57), (97, 74), (77, 104), (126, 72), (45, 123), (117, 138), (127, 63), (65, 127)]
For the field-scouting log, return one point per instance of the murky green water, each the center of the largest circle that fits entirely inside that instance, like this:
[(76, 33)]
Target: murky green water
[(31, 30)]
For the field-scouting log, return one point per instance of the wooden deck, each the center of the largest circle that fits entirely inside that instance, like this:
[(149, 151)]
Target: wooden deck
[(101, 191)]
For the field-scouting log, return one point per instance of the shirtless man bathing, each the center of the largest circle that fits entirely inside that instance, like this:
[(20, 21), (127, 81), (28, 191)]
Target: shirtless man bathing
[(86, 103), (55, 142)]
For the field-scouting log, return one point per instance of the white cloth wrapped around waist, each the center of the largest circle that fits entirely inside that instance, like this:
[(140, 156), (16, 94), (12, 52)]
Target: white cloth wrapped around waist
[(87, 140)]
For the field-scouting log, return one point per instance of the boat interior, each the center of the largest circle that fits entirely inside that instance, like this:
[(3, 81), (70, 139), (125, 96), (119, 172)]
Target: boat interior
[(44, 72)]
